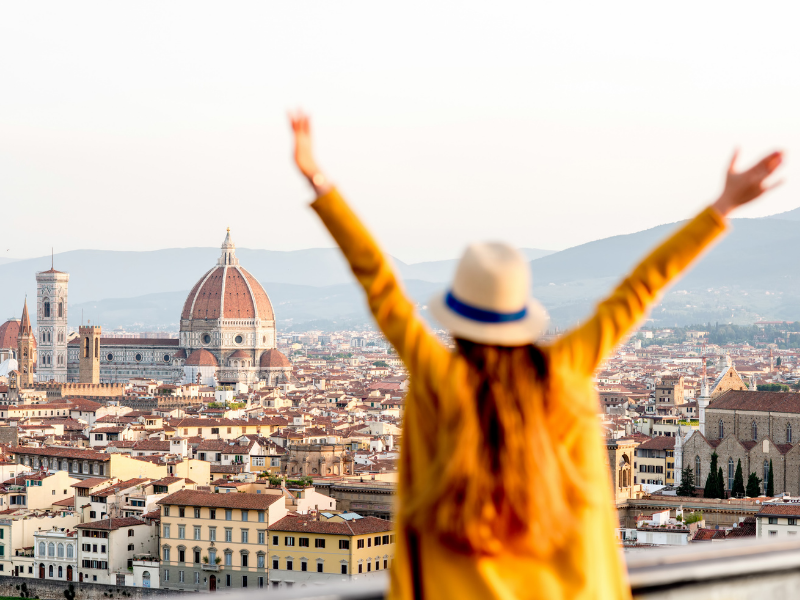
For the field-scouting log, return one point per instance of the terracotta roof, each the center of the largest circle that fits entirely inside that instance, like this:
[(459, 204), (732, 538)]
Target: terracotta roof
[(240, 354), (77, 453), (167, 480), (195, 498), (306, 523), (787, 510), (659, 442), (90, 483), (274, 358), (785, 402), (201, 358), (112, 524), (122, 485), (152, 445)]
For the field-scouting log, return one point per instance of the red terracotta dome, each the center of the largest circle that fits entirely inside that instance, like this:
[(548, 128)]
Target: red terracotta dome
[(9, 331), (201, 358), (274, 359), (240, 354)]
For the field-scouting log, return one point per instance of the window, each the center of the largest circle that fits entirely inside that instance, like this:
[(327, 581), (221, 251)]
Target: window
[(360, 568), (792, 522), (60, 551), (385, 539), (754, 430), (212, 556), (245, 515), (196, 556), (244, 560), (369, 542), (197, 532), (212, 513), (360, 544), (289, 565), (42, 549), (344, 569), (303, 566), (260, 561), (166, 530), (92, 514), (228, 534), (288, 540), (212, 534), (197, 576), (697, 471), (131, 547), (274, 540), (319, 567), (378, 540), (385, 563), (773, 533), (319, 542), (773, 520), (344, 544), (181, 576), (731, 473), (261, 516), (228, 580), (181, 532), (261, 537), (228, 559), (260, 582), (788, 433), (181, 512), (51, 549), (245, 536), (244, 581), (721, 427), (197, 513), (766, 474), (369, 567), (70, 551), (165, 552), (181, 555), (275, 564), (228, 514), (303, 542), (166, 511)]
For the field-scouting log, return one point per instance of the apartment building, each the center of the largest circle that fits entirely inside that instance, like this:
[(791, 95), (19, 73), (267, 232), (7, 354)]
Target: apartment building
[(328, 547), (215, 542), (655, 462), (106, 548)]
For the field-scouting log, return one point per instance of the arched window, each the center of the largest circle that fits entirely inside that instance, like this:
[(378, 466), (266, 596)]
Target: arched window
[(42, 550), (96, 348), (61, 308), (766, 474), (788, 433), (70, 551), (754, 428), (64, 465), (60, 572), (46, 308), (697, 471), (86, 347), (51, 549), (60, 551), (50, 571), (731, 473)]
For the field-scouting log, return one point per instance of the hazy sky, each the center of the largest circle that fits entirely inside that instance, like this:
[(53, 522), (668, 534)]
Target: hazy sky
[(147, 125)]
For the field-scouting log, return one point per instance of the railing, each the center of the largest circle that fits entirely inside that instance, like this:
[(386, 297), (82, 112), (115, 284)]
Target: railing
[(736, 570)]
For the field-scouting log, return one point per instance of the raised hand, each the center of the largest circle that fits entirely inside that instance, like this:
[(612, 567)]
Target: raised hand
[(742, 187), (303, 152)]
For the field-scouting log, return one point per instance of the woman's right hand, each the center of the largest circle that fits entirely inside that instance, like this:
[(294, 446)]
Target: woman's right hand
[(745, 186), (303, 152)]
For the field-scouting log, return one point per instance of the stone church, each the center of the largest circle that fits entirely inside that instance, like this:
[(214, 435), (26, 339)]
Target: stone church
[(751, 426), (227, 336)]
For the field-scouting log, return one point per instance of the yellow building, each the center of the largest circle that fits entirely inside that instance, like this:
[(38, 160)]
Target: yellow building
[(337, 546), (655, 462), (216, 541)]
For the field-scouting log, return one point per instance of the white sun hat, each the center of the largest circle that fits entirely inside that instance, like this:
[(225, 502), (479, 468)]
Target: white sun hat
[(489, 301)]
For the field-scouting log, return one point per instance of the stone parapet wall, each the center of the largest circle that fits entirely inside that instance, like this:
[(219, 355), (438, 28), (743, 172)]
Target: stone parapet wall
[(54, 590)]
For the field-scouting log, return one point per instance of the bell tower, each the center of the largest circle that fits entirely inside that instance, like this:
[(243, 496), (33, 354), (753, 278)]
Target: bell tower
[(89, 366), (26, 353), (51, 325)]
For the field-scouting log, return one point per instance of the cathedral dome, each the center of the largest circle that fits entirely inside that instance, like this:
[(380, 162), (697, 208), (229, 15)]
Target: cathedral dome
[(201, 358), (228, 291), (274, 359), (240, 354), (9, 331)]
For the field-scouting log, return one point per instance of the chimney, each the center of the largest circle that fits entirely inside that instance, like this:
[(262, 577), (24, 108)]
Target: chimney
[(316, 508)]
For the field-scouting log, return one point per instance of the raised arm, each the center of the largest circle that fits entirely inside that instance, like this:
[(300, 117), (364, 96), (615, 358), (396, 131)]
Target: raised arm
[(585, 347), (393, 311)]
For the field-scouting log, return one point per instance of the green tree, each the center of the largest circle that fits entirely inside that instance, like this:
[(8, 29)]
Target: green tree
[(770, 481), (380, 363), (778, 363), (738, 482), (720, 484), (686, 487), (753, 486), (711, 490)]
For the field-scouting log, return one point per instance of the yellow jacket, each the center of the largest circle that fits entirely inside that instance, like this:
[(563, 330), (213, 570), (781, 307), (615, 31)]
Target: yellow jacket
[(588, 566)]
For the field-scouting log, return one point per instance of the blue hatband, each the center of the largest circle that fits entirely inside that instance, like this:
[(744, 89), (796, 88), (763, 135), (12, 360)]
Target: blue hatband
[(483, 316)]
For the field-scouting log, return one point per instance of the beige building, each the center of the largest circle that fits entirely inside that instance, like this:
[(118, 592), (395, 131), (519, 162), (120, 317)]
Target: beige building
[(106, 548), (655, 462), (216, 541), (669, 393), (330, 547)]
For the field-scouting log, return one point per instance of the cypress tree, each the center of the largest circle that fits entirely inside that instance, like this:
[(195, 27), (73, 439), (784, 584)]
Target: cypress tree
[(738, 481), (770, 481), (711, 489), (687, 483), (753, 486), (720, 484)]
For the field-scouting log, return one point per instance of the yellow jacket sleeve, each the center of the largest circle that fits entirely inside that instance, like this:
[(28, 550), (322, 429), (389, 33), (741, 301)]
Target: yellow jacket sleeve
[(585, 347), (421, 352)]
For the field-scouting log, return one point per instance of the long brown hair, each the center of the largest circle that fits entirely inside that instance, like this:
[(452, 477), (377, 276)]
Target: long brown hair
[(503, 477)]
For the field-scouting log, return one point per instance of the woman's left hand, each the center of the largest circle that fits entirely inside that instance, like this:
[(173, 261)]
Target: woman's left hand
[(303, 152)]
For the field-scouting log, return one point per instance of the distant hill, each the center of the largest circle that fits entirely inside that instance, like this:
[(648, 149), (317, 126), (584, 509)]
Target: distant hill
[(6, 260), (789, 215), (751, 274)]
